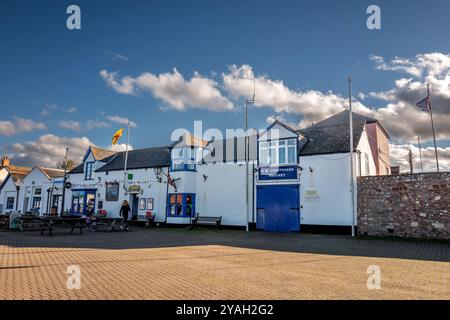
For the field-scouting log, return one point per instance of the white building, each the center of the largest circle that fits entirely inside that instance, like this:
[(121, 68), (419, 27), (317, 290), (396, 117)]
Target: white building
[(99, 183), (10, 176), (296, 178), (41, 191)]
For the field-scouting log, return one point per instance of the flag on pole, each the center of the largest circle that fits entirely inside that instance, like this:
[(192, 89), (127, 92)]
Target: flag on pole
[(117, 136), (424, 104)]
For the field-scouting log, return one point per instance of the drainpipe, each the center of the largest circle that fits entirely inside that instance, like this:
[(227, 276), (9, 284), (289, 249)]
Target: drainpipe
[(17, 197)]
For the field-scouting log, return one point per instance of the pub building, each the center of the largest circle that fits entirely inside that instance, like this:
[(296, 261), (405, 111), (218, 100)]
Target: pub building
[(294, 179)]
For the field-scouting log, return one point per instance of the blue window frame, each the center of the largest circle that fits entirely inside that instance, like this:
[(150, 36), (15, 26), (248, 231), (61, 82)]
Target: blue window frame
[(183, 159), (88, 171), (181, 205), (10, 203)]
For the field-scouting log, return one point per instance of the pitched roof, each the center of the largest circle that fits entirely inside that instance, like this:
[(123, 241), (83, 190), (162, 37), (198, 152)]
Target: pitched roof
[(155, 157), (189, 140), (17, 172), (100, 154), (52, 173), (332, 135)]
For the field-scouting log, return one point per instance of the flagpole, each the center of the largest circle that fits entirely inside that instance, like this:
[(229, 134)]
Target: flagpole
[(420, 153), (352, 177), (432, 126), (126, 157)]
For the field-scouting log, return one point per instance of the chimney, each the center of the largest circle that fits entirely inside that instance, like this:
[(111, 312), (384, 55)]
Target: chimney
[(5, 161)]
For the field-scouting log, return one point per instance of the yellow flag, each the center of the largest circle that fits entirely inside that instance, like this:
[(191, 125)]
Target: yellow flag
[(116, 136)]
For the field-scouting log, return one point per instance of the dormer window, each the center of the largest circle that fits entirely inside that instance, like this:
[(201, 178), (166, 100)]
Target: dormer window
[(183, 158), (280, 152), (88, 170)]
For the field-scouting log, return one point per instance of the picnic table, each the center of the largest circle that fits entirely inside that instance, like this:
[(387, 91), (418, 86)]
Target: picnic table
[(4, 220), (29, 221), (102, 221), (51, 222)]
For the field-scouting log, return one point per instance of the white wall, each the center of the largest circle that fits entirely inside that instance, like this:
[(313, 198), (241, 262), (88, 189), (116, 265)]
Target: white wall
[(330, 177), (222, 194), (34, 180), (8, 190), (146, 178), (364, 148)]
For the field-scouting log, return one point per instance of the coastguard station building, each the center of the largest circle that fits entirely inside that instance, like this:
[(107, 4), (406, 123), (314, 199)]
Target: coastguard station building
[(293, 179)]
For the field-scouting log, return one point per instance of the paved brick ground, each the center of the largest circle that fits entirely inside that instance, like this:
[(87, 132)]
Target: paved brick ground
[(207, 264)]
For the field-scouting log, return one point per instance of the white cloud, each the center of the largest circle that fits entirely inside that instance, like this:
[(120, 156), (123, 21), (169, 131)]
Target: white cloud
[(177, 92), (125, 86), (121, 120), (47, 150), (313, 105), (120, 147), (19, 125), (97, 124), (48, 109), (70, 125), (399, 156), (117, 56)]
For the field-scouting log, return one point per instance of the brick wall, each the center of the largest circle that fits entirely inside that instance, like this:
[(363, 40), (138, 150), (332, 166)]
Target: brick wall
[(415, 206)]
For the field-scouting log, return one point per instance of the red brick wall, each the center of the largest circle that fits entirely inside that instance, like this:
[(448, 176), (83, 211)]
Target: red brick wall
[(415, 206)]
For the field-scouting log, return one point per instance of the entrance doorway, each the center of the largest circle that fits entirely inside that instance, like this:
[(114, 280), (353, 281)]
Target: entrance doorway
[(278, 208), (134, 200)]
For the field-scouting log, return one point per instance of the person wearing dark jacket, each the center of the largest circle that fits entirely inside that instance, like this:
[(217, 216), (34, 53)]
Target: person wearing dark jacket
[(124, 210)]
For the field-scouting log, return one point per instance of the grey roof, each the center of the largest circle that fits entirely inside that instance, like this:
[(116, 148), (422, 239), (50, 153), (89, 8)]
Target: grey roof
[(77, 169), (230, 150), (156, 157), (332, 135)]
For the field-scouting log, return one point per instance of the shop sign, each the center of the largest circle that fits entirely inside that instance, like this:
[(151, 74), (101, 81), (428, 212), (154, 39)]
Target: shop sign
[(311, 195), (134, 189), (278, 173)]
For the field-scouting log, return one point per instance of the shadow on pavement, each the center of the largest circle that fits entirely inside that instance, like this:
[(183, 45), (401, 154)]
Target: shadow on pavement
[(140, 238)]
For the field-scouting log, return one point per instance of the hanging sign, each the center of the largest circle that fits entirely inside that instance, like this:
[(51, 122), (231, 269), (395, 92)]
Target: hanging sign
[(134, 189), (278, 173)]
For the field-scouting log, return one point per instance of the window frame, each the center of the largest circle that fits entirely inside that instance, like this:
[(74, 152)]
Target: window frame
[(89, 169), (272, 150), (9, 205)]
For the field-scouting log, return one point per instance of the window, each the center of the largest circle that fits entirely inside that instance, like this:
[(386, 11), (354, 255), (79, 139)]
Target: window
[(38, 191), (183, 159), (88, 171), (10, 203), (112, 191), (181, 205), (366, 160), (36, 203), (278, 152)]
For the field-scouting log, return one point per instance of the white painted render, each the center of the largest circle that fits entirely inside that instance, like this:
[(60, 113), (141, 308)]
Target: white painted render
[(8, 190)]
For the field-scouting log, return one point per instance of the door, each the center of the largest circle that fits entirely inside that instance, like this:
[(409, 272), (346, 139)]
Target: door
[(134, 206), (278, 208)]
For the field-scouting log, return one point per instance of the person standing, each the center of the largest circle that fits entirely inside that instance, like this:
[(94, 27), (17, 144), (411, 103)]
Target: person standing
[(124, 211)]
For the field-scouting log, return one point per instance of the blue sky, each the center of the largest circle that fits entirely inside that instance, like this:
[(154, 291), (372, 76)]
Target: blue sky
[(308, 45)]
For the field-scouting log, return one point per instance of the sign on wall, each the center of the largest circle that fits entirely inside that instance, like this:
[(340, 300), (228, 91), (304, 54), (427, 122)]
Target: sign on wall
[(311, 195), (278, 173), (112, 191)]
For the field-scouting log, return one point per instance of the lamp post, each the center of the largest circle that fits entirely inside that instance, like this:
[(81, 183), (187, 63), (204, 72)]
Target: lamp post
[(247, 102), (64, 182)]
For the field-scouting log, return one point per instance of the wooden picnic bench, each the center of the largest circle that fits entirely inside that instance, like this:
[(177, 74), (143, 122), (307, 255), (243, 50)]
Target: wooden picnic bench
[(69, 222), (207, 221), (101, 221)]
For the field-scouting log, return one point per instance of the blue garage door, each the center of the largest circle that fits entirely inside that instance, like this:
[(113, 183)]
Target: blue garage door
[(278, 208)]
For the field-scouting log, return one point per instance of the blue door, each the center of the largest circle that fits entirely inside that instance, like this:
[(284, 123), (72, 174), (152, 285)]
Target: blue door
[(278, 208)]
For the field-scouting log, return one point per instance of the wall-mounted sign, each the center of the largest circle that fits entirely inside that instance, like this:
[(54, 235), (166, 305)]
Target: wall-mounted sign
[(134, 189), (112, 191), (311, 195), (278, 173), (68, 185)]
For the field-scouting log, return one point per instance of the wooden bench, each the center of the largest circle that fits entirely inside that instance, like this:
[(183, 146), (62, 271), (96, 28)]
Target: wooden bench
[(71, 223), (207, 221)]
